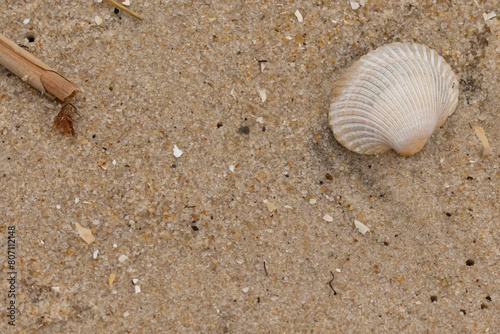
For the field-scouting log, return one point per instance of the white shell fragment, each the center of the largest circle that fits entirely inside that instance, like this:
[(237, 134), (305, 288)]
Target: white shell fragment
[(487, 16), (393, 97), (299, 16), (362, 228), (263, 95), (177, 152)]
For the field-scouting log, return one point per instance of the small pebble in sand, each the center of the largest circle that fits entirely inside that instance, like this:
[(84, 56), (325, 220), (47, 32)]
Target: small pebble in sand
[(231, 168), (123, 258), (95, 254), (245, 290), (135, 280), (312, 201), (260, 119), (26, 21), (137, 289), (98, 20), (328, 218), (56, 289), (126, 3), (354, 5)]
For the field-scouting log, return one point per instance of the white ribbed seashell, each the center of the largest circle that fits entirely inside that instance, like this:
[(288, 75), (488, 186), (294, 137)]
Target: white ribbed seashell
[(393, 97)]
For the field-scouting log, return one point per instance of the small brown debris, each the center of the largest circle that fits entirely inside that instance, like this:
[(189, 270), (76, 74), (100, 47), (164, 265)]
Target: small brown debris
[(63, 120), (481, 134), (111, 279)]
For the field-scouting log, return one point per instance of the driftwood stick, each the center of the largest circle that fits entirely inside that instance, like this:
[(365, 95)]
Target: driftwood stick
[(125, 9), (35, 72)]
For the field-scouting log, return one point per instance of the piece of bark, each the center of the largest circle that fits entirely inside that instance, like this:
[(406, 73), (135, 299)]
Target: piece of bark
[(35, 72)]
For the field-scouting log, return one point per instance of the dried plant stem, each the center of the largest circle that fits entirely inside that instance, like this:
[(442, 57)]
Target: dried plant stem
[(125, 9), (35, 72)]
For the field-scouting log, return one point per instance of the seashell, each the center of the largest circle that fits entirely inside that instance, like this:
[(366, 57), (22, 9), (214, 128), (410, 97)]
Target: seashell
[(393, 97)]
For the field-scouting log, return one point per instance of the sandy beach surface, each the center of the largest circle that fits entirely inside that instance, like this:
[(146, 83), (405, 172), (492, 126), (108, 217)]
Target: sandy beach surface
[(219, 200)]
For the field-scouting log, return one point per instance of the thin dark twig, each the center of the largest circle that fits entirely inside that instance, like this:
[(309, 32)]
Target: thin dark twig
[(265, 269), (330, 284)]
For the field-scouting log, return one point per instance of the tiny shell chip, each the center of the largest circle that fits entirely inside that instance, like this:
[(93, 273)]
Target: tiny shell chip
[(393, 97), (354, 5), (270, 205), (263, 95), (362, 228), (98, 20), (328, 218), (85, 233), (299, 16), (123, 258), (177, 152)]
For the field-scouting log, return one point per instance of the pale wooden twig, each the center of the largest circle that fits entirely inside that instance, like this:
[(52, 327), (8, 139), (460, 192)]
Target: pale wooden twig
[(35, 72), (125, 9)]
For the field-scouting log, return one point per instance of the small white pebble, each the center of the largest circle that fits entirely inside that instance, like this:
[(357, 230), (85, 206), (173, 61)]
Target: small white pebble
[(58, 207), (312, 201), (245, 290), (98, 20), (41, 242), (418, 302), (115, 245), (26, 21), (95, 254), (260, 119), (123, 258), (135, 280), (299, 16), (137, 289), (288, 207), (328, 218), (125, 314), (95, 222), (289, 38), (354, 5), (77, 200), (126, 2), (362, 228), (114, 162), (263, 95), (177, 152), (115, 292), (231, 168), (56, 289), (338, 270)]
